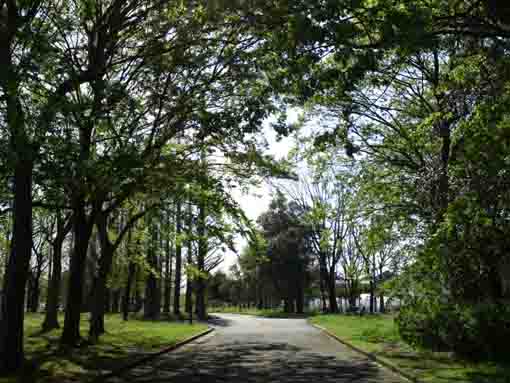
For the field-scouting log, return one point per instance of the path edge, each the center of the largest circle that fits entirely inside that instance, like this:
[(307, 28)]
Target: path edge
[(135, 363), (370, 356)]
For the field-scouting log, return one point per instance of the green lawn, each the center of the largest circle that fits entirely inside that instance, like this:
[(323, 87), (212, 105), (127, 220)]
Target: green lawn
[(123, 342), (378, 335), (266, 313)]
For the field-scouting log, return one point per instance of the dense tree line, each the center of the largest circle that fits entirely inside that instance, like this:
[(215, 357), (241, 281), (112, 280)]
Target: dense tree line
[(110, 111)]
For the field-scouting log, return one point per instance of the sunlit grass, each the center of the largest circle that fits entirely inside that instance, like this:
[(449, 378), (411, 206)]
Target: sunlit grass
[(378, 334), (266, 313), (123, 342)]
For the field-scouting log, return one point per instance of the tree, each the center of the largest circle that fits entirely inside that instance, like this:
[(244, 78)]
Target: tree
[(288, 256)]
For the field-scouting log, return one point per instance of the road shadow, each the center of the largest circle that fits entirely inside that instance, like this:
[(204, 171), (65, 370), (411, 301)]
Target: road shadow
[(217, 321), (250, 363)]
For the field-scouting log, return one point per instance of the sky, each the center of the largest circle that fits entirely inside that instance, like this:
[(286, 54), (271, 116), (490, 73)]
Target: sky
[(257, 201)]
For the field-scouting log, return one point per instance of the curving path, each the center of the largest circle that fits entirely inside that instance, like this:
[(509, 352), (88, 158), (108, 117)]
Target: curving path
[(246, 349)]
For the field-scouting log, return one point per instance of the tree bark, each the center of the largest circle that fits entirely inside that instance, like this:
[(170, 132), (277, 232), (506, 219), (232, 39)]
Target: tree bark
[(51, 317), (201, 255), (34, 290), (300, 298), (82, 228), (382, 308), (372, 296), (333, 305), (178, 260), (100, 291), (323, 276), (12, 310), (152, 309), (127, 291), (168, 270), (115, 307)]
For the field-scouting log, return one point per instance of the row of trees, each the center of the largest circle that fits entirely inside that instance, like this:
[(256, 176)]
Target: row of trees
[(313, 242), (123, 123)]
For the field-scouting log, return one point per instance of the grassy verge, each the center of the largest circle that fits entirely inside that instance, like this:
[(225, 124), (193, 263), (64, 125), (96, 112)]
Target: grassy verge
[(266, 313), (123, 342), (378, 335)]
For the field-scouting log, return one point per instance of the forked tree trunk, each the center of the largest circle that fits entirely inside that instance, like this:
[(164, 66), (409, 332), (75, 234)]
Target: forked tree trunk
[(82, 232), (100, 291), (53, 297)]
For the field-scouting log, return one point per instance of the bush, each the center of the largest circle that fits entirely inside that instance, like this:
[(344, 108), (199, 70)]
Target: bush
[(472, 331)]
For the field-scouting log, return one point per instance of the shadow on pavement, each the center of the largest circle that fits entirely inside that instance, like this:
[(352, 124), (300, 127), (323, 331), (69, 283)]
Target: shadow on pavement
[(252, 362), (220, 322)]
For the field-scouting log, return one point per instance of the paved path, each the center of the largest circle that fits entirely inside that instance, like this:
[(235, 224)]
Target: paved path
[(246, 349)]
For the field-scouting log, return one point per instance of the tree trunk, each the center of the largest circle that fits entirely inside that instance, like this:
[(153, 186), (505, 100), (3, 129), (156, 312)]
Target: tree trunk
[(323, 276), (287, 306), (372, 296), (152, 295), (333, 305), (34, 291), (201, 254), (51, 317), (300, 298), (178, 261), (115, 304), (82, 232), (127, 291), (100, 293), (188, 300), (13, 299), (382, 309), (168, 271)]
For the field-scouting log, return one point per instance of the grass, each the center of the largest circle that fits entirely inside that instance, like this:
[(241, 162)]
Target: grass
[(123, 342), (377, 334), (266, 313)]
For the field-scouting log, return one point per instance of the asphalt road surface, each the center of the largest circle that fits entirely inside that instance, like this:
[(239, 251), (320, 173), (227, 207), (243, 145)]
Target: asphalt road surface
[(246, 349)]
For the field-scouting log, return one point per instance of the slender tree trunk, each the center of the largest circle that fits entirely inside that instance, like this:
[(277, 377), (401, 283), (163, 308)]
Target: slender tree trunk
[(131, 274), (116, 301), (100, 291), (152, 295), (30, 291), (323, 276), (201, 255), (300, 298), (12, 313), (372, 296), (35, 291), (188, 300), (333, 305), (178, 260), (82, 232), (168, 270), (287, 306), (127, 291)]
